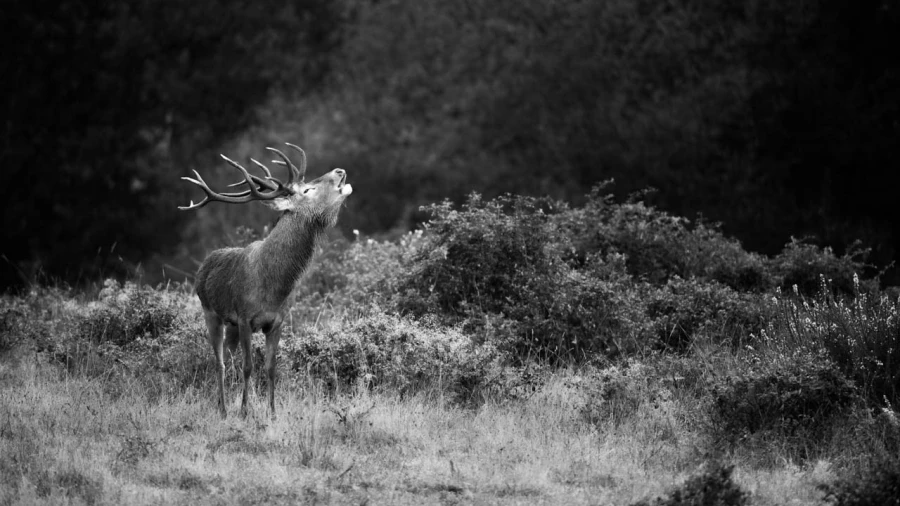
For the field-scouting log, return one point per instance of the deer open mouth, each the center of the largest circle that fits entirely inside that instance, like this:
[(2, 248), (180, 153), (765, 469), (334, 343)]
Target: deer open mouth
[(342, 188)]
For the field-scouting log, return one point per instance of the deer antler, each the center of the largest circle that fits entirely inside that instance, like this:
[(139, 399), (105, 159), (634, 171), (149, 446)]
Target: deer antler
[(295, 173), (299, 173), (255, 184)]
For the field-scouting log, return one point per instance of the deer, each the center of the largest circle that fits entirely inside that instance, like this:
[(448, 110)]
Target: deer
[(250, 289)]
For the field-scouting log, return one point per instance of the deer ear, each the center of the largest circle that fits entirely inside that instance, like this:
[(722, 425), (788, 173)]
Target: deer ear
[(282, 204)]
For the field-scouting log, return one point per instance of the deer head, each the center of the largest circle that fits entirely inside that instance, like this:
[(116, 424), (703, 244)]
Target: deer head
[(320, 197), (249, 289)]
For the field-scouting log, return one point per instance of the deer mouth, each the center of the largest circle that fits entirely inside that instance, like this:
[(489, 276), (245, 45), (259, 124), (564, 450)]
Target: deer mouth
[(342, 187)]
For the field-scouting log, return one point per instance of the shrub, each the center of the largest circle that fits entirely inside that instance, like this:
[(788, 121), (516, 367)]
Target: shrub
[(682, 308), (542, 280), (585, 312), (804, 265), (358, 274), (29, 318), (127, 312), (155, 337), (794, 401), (737, 269), (393, 353), (498, 261), (15, 327), (597, 309), (483, 256), (713, 487), (659, 246), (879, 486), (652, 241), (505, 268)]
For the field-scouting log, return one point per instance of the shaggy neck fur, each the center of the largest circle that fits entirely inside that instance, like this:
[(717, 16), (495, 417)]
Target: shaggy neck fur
[(286, 253)]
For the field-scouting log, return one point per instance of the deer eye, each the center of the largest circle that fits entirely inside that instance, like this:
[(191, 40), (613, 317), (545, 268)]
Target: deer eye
[(307, 190)]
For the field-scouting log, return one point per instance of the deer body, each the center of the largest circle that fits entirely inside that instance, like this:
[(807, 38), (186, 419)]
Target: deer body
[(257, 282), (245, 290)]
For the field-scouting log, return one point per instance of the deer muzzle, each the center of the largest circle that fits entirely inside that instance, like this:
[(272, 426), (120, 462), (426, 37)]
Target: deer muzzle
[(344, 189)]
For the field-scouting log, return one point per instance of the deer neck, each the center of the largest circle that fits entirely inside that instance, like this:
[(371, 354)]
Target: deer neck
[(285, 254)]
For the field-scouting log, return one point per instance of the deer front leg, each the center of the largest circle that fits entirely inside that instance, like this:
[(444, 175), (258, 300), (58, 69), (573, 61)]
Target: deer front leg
[(214, 326), (245, 334), (272, 338)]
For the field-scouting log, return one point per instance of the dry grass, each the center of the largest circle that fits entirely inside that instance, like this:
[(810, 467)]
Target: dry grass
[(70, 439)]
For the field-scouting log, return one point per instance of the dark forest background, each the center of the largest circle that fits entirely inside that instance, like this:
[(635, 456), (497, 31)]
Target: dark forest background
[(777, 119)]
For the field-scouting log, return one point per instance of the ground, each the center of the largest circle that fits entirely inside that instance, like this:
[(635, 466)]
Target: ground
[(73, 439)]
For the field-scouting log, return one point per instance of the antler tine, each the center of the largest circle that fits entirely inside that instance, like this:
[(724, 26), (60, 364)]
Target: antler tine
[(293, 172), (212, 196), (202, 184), (264, 168), (270, 183), (247, 177), (302, 159)]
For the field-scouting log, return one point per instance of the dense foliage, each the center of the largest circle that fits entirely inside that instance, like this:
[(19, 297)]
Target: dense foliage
[(552, 280)]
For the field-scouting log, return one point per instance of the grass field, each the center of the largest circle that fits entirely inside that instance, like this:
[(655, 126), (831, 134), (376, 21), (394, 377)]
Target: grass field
[(69, 439)]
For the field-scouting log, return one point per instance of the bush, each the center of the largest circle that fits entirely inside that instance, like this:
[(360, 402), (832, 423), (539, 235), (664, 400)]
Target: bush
[(714, 487), (393, 353), (794, 401), (682, 308), (879, 487), (659, 246), (31, 318), (155, 337), (542, 280), (805, 265), (17, 326), (488, 256), (597, 309), (502, 268), (362, 273), (125, 313)]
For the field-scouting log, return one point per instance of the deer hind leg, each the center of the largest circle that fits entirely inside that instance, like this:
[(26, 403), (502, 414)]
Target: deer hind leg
[(272, 338), (214, 326), (245, 333), (232, 337)]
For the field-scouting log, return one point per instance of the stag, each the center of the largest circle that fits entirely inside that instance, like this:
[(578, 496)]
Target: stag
[(245, 290)]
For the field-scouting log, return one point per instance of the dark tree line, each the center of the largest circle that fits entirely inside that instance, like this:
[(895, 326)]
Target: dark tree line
[(775, 118)]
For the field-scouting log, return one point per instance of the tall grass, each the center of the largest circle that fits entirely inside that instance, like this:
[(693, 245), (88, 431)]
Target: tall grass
[(860, 335)]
